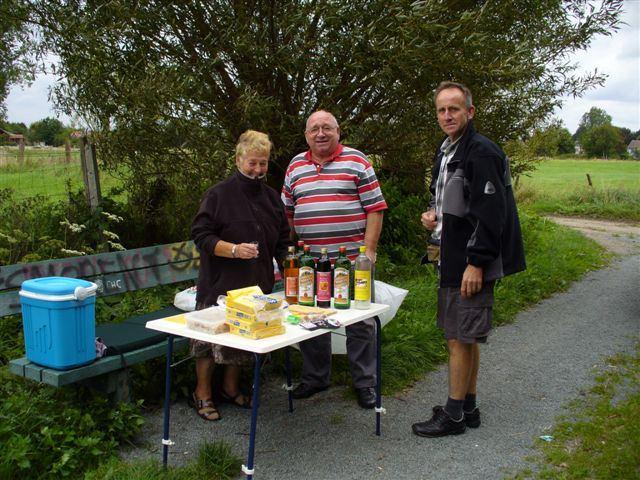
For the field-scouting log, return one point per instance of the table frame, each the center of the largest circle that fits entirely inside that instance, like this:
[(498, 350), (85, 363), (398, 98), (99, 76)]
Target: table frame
[(259, 348)]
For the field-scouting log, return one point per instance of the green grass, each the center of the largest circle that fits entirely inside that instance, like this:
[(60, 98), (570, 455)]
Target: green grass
[(560, 186), (599, 437), (45, 172), (215, 461)]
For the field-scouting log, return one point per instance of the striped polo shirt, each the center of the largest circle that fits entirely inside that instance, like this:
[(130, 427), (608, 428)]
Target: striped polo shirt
[(329, 203)]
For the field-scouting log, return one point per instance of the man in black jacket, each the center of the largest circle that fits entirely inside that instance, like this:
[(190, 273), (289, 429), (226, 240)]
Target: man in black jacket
[(477, 239)]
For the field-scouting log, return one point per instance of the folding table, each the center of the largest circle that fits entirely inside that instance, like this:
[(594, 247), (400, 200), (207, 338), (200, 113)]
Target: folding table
[(176, 326)]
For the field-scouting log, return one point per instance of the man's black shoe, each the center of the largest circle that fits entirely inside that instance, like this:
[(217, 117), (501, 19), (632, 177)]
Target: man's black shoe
[(366, 397), (471, 419), (439, 425), (305, 391)]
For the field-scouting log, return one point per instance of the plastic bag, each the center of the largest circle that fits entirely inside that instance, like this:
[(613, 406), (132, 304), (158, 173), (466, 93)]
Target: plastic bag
[(186, 299), (385, 293), (389, 295)]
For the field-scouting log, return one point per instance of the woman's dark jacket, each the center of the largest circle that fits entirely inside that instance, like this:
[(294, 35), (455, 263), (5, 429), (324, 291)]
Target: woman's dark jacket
[(238, 210), (480, 224)]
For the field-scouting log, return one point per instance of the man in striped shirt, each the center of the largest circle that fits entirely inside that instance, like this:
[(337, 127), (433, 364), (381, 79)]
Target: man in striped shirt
[(332, 198)]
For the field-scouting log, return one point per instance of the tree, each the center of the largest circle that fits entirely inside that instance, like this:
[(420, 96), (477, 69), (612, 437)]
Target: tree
[(47, 130), (141, 73), (603, 141), (552, 140), (16, 62), (596, 117), (566, 144)]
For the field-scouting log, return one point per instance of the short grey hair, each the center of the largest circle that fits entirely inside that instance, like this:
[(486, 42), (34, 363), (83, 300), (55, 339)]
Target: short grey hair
[(467, 93)]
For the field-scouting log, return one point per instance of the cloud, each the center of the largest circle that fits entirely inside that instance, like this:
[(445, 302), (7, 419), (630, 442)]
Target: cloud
[(31, 103), (618, 57)]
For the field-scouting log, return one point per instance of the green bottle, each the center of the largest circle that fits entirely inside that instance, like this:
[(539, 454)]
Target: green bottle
[(341, 280), (307, 279)]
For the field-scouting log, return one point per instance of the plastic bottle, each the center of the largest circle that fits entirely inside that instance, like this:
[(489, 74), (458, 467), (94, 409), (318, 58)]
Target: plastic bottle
[(362, 281), (341, 281), (291, 272), (306, 278), (323, 280)]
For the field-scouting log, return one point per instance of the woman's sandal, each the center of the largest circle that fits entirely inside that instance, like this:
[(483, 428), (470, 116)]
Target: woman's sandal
[(240, 400), (206, 409)]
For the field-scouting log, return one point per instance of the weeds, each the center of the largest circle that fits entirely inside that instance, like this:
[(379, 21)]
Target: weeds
[(599, 437)]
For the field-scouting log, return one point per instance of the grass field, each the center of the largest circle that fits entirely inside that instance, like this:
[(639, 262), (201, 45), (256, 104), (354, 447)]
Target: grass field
[(45, 172), (561, 186)]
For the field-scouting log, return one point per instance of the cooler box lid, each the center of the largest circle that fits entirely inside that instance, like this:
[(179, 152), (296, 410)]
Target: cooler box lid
[(58, 289)]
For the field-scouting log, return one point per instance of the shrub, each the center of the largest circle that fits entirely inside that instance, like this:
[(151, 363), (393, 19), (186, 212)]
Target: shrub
[(57, 433)]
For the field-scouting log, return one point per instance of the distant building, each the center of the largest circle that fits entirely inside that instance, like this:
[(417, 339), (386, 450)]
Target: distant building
[(634, 148), (12, 137)]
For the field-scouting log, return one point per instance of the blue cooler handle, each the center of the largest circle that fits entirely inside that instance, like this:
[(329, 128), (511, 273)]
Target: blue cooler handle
[(81, 293)]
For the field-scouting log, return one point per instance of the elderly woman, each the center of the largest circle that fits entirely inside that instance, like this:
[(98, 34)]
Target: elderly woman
[(240, 226)]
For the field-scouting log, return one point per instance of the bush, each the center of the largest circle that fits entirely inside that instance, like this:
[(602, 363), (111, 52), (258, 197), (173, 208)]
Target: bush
[(57, 433), (403, 236)]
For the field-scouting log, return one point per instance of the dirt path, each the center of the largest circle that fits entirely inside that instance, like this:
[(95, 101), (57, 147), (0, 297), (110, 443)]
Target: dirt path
[(622, 238)]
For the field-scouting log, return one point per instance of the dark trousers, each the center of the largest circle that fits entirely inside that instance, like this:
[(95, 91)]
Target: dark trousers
[(361, 353)]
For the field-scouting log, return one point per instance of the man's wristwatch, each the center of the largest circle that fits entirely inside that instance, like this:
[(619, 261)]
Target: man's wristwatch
[(233, 251)]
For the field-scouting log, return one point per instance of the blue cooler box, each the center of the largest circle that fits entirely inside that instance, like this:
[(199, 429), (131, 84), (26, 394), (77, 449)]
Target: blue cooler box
[(58, 316)]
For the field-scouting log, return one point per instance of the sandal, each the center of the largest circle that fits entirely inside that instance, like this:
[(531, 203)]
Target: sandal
[(239, 400), (206, 409)]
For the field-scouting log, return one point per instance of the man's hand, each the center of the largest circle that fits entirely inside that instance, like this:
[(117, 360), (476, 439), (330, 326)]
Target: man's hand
[(429, 220), (471, 281), (371, 254)]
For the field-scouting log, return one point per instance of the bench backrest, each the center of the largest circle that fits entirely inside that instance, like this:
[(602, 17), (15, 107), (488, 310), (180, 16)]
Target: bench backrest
[(114, 272)]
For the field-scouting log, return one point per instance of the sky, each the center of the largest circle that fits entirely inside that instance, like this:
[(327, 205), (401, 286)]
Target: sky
[(617, 56)]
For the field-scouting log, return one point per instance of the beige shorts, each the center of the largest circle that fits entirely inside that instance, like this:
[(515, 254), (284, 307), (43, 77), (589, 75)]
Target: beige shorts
[(467, 320)]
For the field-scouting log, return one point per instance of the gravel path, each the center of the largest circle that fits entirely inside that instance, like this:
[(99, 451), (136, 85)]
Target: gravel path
[(529, 370)]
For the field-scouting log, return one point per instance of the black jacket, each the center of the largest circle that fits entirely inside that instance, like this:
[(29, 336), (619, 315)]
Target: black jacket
[(480, 224), (239, 210)]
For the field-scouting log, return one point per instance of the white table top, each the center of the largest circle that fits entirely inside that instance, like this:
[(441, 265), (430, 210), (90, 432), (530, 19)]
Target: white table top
[(176, 325)]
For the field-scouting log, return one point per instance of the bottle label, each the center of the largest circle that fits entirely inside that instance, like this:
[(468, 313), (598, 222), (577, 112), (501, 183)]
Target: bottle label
[(305, 285), (291, 286), (323, 290), (341, 286), (362, 285)]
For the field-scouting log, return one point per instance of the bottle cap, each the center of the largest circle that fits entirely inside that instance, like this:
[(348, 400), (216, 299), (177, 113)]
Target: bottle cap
[(324, 250), (342, 249), (363, 249), (291, 249)]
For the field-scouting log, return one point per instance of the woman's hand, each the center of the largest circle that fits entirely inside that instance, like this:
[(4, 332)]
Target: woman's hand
[(246, 251)]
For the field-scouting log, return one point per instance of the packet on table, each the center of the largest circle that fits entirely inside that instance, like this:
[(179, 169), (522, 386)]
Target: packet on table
[(251, 300)]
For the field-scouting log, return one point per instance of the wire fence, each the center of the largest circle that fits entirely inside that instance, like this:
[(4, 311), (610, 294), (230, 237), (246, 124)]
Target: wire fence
[(48, 171)]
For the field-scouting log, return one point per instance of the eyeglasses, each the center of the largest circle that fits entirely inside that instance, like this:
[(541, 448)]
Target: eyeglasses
[(326, 128)]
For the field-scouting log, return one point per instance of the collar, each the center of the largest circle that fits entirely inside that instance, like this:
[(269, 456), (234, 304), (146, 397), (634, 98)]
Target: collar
[(469, 132), (448, 146), (250, 185), (333, 156)]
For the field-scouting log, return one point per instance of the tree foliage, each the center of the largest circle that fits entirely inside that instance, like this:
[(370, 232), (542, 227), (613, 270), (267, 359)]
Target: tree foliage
[(603, 141), (17, 62), (552, 140), (48, 131), (595, 117), (169, 86)]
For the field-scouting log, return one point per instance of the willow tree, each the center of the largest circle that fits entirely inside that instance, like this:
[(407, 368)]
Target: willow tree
[(169, 86)]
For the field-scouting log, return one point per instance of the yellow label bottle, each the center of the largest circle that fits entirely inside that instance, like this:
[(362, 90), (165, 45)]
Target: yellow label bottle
[(362, 277)]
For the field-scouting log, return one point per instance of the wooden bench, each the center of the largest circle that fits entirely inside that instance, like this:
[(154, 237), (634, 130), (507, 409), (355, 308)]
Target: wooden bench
[(114, 273)]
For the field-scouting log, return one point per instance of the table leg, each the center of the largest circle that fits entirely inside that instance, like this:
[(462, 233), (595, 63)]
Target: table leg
[(255, 403), (378, 373), (287, 364), (167, 402)]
